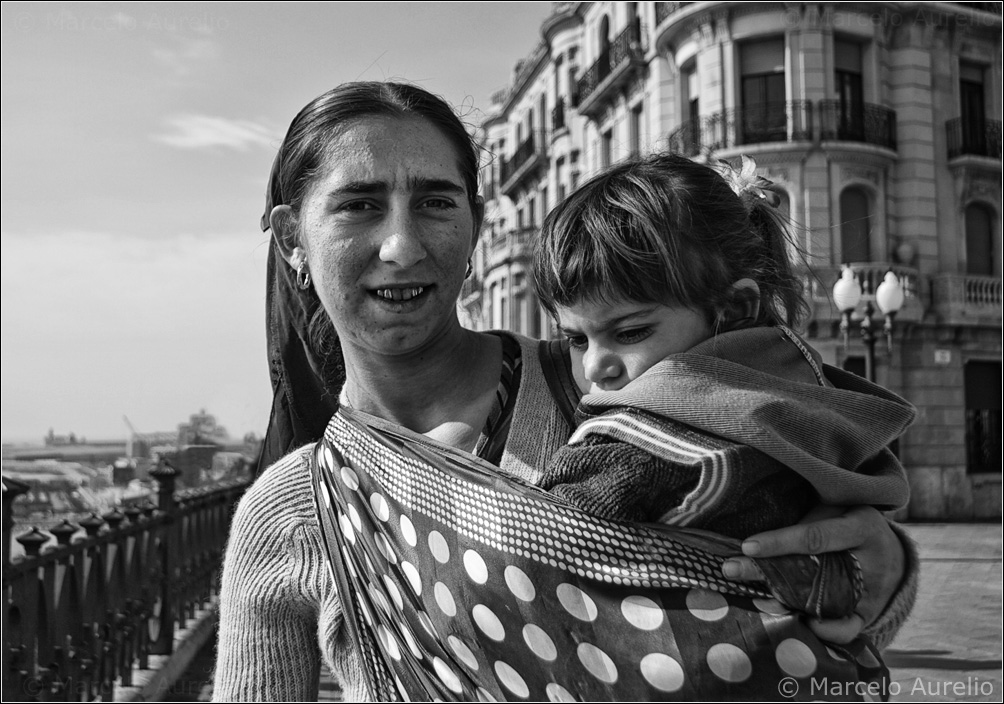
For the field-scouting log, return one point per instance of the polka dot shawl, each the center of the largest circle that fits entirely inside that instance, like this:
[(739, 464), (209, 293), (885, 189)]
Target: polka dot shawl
[(459, 584)]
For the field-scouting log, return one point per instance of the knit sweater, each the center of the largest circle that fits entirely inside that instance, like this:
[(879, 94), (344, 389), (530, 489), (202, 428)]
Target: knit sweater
[(279, 613)]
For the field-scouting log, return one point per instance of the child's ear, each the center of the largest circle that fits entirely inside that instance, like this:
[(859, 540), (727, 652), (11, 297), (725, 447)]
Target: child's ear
[(743, 306)]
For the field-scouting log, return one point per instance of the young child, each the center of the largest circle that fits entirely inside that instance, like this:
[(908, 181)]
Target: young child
[(673, 284)]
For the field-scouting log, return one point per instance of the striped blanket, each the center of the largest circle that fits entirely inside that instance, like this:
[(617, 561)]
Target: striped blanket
[(461, 584)]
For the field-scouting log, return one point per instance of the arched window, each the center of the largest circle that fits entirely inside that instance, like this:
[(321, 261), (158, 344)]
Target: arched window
[(980, 259), (855, 226)]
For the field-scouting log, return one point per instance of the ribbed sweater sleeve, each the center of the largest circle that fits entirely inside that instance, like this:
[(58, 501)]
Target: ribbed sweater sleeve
[(278, 607)]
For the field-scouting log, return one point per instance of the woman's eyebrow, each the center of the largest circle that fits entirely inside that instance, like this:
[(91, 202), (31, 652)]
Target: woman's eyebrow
[(416, 183), (360, 187), (438, 185)]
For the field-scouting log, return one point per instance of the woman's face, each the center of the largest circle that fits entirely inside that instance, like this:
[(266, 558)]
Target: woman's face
[(387, 230)]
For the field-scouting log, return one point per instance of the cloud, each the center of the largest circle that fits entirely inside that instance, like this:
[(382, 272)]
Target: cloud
[(190, 131), (186, 51)]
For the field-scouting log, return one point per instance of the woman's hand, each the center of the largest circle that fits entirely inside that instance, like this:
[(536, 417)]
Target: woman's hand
[(863, 531)]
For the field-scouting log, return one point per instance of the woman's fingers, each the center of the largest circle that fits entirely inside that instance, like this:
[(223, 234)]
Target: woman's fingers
[(837, 630), (862, 530), (742, 569), (824, 529)]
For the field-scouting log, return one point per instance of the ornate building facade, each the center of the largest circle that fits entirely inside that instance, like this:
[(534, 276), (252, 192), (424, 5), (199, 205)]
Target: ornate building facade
[(880, 125)]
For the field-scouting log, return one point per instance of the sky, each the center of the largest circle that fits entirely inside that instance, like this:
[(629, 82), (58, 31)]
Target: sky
[(136, 144)]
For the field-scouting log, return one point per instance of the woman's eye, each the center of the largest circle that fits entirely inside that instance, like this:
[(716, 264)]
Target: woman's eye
[(630, 337), (439, 203), (357, 206)]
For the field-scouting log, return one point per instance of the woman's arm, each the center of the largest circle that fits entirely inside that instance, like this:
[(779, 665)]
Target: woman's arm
[(269, 600), (887, 557)]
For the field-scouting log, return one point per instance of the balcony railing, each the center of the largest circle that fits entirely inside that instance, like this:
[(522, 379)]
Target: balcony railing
[(80, 615), (530, 152), (993, 7), (664, 9), (514, 244), (974, 138), (764, 122), (820, 281), (966, 298), (558, 115), (629, 46), (871, 124)]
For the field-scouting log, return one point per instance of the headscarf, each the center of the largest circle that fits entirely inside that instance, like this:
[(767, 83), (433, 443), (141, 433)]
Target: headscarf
[(303, 401)]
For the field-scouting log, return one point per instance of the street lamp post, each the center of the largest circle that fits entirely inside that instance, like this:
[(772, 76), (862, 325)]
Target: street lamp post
[(888, 297)]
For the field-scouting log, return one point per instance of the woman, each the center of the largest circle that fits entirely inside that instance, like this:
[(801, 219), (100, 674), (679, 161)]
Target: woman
[(374, 214)]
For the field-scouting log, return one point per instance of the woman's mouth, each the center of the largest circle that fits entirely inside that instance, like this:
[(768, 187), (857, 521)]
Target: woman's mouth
[(400, 294)]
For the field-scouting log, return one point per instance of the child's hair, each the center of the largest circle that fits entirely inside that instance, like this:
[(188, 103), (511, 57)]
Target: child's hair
[(665, 229)]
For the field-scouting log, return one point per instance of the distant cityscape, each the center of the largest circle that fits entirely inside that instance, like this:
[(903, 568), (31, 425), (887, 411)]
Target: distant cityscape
[(69, 477)]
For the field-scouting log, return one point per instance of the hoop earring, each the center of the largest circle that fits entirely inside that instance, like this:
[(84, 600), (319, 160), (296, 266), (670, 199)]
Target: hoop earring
[(302, 277), (470, 269)]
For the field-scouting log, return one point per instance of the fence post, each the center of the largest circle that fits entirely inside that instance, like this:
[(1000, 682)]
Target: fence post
[(166, 476), (11, 490)]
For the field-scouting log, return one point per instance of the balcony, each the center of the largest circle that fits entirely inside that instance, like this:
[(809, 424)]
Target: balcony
[(974, 138), (871, 124), (514, 245), (966, 299), (757, 124), (101, 613), (615, 67), (528, 157)]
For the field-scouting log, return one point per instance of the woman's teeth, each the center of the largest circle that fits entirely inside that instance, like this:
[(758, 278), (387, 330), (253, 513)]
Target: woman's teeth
[(399, 294)]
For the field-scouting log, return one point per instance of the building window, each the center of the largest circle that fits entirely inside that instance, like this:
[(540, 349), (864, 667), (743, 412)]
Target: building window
[(850, 90), (503, 321), (855, 226), (531, 211), (972, 107), (606, 148), (634, 130), (983, 417), (980, 259), (490, 306), (764, 118)]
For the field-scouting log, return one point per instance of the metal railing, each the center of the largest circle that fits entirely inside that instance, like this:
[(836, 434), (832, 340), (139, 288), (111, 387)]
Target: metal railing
[(80, 615), (871, 124), (512, 244), (992, 7), (763, 122), (664, 9), (629, 43), (977, 138), (524, 152)]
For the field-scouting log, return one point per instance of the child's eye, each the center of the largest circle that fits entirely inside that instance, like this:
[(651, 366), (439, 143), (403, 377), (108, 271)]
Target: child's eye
[(577, 342), (634, 335)]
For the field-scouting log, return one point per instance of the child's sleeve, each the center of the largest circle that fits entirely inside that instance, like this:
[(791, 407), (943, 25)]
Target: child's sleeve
[(617, 480)]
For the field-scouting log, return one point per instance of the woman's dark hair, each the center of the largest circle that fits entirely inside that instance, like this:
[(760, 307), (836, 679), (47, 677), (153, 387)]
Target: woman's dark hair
[(665, 229), (309, 142)]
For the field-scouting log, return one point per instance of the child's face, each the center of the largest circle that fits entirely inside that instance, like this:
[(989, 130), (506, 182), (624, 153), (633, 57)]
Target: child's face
[(615, 343)]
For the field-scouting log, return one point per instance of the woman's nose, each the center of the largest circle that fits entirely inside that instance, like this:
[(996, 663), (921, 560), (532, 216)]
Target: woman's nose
[(402, 246), (602, 368)]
